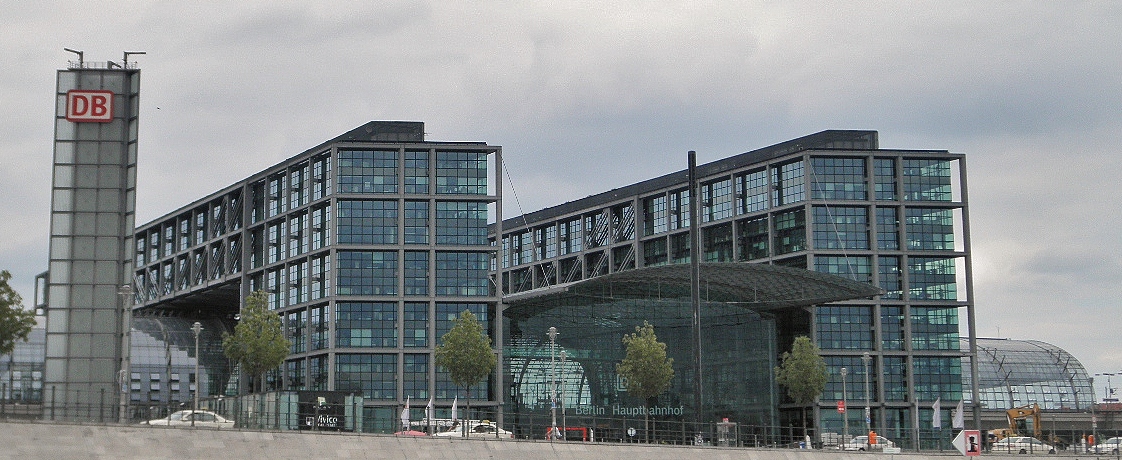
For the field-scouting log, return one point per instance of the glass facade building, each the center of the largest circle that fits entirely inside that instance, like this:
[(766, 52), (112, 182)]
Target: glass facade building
[(367, 245), (21, 371), (831, 202)]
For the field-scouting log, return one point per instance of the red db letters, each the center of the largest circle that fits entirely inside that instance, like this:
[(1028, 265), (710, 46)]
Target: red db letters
[(89, 106)]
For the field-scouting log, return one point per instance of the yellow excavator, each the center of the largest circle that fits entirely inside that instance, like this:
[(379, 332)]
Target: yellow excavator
[(1023, 421)]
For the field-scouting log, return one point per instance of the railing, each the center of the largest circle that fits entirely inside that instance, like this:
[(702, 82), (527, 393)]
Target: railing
[(283, 411)]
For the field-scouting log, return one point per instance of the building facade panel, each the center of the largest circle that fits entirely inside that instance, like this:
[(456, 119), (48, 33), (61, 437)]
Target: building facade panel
[(832, 202), (366, 245)]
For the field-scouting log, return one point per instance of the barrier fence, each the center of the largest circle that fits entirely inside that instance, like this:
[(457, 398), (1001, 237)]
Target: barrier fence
[(287, 411)]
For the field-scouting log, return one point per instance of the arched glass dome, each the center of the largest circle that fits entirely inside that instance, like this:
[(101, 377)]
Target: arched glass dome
[(1013, 373)]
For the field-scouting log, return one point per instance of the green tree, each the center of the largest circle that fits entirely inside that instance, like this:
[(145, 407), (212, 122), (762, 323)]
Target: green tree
[(465, 352), (645, 368), (15, 322), (258, 343), (803, 372)]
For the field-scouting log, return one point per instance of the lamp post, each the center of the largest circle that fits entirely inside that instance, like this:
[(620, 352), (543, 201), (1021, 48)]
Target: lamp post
[(845, 408), (865, 359), (564, 422), (125, 373), (1094, 421), (196, 328), (552, 383)]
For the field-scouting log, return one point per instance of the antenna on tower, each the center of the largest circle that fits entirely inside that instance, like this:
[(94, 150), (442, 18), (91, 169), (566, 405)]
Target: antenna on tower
[(127, 53), (80, 56)]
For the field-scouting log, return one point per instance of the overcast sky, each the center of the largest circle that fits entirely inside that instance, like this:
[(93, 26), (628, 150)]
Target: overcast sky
[(589, 96)]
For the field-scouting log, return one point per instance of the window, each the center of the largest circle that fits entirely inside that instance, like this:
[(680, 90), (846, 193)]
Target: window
[(716, 200), (934, 328), (320, 228), (462, 273), (654, 252), (937, 377), (461, 223), (889, 270), (416, 273), (857, 268), (367, 273), (716, 242), (888, 228), (372, 375), (927, 180), (367, 171), (790, 231), (787, 179), (931, 278), (416, 222), (416, 323), (751, 192), (838, 179), (892, 327), (367, 222), (415, 378), (365, 324), (321, 176), (461, 173), (320, 325), (417, 171), (884, 174), (654, 215), (843, 327), (930, 229), (841, 227), (752, 238), (679, 213), (297, 328)]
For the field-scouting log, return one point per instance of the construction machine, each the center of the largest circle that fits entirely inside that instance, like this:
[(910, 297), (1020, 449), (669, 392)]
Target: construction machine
[(1023, 421)]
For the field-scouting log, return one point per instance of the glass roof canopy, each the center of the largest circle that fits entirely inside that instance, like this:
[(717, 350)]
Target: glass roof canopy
[(759, 287)]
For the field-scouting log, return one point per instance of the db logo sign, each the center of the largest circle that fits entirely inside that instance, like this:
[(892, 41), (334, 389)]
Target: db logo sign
[(89, 106)]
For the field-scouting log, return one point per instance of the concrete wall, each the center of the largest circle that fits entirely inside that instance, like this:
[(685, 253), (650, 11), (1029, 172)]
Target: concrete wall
[(60, 441)]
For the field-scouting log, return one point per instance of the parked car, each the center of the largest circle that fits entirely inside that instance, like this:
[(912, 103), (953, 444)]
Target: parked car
[(1110, 446), (476, 429), (1022, 445), (201, 418), (861, 443)]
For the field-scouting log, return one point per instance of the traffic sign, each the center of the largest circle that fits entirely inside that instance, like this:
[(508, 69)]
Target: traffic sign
[(841, 407), (969, 442)]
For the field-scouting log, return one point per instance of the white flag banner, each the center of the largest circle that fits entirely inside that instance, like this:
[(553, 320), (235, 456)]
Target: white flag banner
[(958, 421), (455, 405), (936, 417), (405, 415)]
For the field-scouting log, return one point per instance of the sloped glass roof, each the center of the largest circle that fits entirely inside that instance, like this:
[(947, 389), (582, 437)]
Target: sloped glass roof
[(758, 287)]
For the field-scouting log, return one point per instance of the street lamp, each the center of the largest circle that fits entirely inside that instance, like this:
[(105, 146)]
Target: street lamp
[(196, 328), (564, 419), (845, 408), (865, 358), (124, 375), (552, 383)]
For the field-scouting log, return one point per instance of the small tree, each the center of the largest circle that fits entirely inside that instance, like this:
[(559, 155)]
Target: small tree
[(258, 343), (645, 367), (465, 351), (803, 372), (15, 322)]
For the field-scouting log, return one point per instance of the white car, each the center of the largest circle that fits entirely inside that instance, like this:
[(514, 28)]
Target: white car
[(861, 443), (200, 418), (1110, 446), (476, 429), (1022, 445)]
